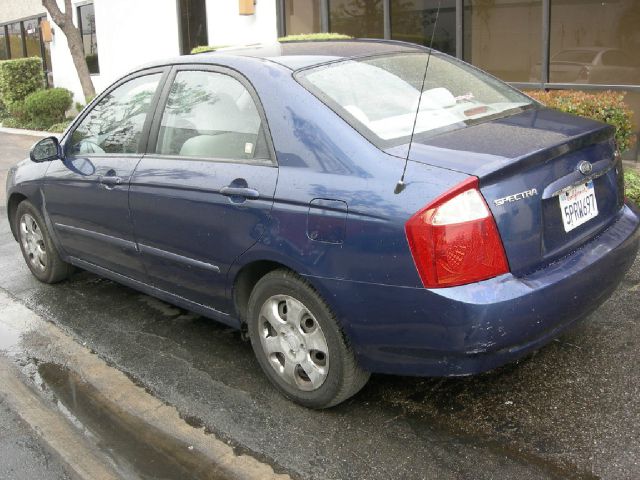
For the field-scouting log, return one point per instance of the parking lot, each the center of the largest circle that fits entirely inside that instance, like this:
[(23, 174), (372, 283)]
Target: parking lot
[(571, 410)]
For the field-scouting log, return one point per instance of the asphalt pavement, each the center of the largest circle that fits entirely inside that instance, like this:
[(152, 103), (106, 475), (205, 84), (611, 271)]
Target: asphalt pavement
[(22, 456), (571, 410)]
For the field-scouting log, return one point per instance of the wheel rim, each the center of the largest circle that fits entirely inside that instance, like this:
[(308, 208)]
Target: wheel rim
[(33, 242), (293, 342)]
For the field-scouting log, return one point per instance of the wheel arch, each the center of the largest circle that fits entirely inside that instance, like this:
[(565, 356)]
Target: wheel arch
[(12, 205), (245, 281)]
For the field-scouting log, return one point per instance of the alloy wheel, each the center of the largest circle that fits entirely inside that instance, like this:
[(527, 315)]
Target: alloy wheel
[(294, 342), (33, 242)]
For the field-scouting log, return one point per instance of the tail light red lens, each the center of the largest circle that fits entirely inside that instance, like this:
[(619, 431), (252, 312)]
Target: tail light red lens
[(454, 240)]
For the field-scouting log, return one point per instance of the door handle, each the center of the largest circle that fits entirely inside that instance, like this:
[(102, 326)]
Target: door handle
[(239, 192), (109, 181)]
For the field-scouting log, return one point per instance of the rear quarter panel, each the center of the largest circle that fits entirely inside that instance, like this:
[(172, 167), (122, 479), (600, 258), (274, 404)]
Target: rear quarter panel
[(321, 157)]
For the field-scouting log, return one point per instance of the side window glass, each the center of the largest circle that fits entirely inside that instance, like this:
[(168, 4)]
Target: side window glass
[(211, 115), (114, 125)]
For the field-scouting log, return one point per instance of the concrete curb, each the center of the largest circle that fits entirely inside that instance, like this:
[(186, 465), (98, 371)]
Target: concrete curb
[(32, 133), (153, 421)]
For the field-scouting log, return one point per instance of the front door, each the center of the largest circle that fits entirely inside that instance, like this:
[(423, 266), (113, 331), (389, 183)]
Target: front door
[(205, 195), (86, 195)]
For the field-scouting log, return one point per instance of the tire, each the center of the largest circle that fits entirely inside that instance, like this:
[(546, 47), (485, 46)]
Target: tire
[(298, 342), (38, 249)]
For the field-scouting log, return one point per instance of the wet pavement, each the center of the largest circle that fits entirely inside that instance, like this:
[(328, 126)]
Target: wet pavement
[(22, 456), (572, 410)]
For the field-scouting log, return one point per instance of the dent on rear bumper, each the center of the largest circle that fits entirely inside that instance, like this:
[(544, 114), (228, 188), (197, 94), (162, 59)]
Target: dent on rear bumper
[(474, 328)]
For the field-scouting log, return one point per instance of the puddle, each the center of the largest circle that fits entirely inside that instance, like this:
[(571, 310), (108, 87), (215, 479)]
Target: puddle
[(135, 449)]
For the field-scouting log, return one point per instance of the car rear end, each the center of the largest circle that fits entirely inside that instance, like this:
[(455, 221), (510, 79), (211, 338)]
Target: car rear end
[(535, 236)]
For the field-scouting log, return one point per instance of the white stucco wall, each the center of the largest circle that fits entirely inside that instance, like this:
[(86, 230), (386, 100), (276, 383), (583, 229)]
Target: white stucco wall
[(129, 33), (226, 27), (134, 32)]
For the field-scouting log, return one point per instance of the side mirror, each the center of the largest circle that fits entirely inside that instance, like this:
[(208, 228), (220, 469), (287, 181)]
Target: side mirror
[(46, 150)]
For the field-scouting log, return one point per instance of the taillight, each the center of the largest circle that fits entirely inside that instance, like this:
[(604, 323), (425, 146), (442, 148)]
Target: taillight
[(454, 240)]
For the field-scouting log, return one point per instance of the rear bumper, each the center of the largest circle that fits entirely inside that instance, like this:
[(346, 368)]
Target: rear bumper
[(473, 328)]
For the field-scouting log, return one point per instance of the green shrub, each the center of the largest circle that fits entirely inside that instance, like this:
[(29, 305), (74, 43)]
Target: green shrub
[(632, 186), (608, 107), (59, 127), (47, 107), (12, 123), (205, 48), (92, 63), (19, 78), (314, 36)]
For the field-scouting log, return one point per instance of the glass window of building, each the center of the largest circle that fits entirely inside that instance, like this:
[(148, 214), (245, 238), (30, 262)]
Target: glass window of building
[(193, 25), (15, 40), (358, 18), (32, 37), (414, 20), (504, 37), (87, 26), (595, 42), (302, 16), (4, 54)]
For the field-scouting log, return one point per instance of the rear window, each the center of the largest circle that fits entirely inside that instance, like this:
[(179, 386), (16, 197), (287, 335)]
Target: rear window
[(379, 95)]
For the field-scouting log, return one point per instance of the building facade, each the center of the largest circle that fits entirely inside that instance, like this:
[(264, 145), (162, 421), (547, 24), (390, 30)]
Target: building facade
[(577, 44)]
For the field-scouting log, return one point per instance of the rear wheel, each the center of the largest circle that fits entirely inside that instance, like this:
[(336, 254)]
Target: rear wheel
[(37, 247), (298, 343)]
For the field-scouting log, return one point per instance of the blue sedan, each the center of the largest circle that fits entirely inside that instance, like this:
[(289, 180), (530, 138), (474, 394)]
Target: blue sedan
[(348, 212)]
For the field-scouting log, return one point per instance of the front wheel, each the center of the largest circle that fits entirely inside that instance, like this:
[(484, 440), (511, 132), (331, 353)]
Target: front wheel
[(299, 344), (37, 247)]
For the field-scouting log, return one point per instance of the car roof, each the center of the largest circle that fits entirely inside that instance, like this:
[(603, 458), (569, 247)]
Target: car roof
[(301, 54)]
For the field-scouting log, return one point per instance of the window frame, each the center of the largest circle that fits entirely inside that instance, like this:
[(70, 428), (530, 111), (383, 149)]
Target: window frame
[(80, 27), (144, 136), (160, 107)]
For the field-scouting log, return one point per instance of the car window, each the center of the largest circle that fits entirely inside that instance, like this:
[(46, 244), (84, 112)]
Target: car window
[(211, 115), (114, 125), (379, 95)]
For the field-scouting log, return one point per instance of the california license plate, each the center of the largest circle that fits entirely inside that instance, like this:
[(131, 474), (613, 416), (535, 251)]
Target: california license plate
[(578, 205)]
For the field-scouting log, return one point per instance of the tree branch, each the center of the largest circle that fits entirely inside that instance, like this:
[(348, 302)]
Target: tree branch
[(52, 7)]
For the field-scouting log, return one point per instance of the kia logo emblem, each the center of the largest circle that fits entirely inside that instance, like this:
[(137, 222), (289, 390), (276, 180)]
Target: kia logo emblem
[(585, 167)]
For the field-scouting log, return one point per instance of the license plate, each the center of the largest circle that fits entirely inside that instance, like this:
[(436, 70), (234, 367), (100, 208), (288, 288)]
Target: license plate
[(578, 205)]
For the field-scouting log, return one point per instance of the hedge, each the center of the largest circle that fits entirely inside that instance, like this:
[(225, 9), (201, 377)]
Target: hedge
[(47, 107), (608, 107), (632, 186), (309, 37), (288, 38), (19, 78), (205, 48)]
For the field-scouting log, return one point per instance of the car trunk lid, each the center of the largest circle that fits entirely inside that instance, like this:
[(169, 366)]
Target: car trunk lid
[(526, 163)]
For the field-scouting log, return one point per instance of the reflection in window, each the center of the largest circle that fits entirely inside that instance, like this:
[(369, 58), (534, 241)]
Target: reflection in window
[(413, 21), (193, 25), (358, 18), (15, 40), (504, 37), (595, 42), (115, 124), (87, 26), (210, 115), (4, 54), (32, 38), (302, 16)]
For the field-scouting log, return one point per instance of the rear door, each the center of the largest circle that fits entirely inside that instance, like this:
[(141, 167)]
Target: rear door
[(203, 194), (86, 195)]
